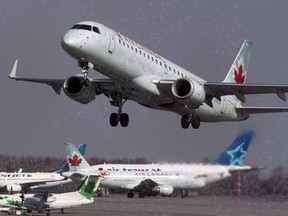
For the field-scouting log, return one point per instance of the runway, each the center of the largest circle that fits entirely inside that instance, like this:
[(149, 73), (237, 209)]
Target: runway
[(120, 205)]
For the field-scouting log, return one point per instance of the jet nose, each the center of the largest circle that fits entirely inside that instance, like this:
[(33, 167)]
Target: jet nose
[(69, 42)]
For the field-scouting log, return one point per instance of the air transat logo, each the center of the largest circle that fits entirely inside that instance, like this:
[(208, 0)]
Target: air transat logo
[(238, 74), (237, 155), (75, 160), (104, 174)]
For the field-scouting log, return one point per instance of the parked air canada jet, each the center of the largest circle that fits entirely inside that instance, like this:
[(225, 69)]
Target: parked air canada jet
[(20, 181), (139, 74), (162, 178)]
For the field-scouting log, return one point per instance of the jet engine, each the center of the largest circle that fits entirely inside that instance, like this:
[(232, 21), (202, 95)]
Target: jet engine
[(188, 92), (165, 190), (13, 188), (79, 89)]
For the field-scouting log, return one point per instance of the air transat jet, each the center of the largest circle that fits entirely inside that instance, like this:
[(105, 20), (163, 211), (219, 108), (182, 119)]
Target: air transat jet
[(139, 74), (162, 178)]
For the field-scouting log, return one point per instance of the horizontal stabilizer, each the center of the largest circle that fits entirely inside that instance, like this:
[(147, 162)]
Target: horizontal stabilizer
[(220, 89), (259, 110)]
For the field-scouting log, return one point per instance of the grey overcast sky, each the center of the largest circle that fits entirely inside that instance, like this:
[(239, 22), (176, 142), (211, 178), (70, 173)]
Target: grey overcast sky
[(202, 36)]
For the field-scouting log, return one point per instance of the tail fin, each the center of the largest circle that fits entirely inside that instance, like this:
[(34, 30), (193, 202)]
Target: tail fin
[(82, 149), (238, 70), (235, 153), (76, 161), (89, 187)]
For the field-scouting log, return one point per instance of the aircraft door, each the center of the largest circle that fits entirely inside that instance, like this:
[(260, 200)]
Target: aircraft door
[(112, 41)]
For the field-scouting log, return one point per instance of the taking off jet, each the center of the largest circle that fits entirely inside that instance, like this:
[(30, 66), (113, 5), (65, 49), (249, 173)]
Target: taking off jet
[(136, 73), (162, 178)]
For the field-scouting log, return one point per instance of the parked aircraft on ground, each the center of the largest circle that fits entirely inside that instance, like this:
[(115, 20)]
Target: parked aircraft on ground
[(18, 181), (139, 74), (48, 201), (161, 178)]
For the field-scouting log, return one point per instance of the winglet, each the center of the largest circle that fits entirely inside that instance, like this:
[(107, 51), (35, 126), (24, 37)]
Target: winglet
[(12, 75)]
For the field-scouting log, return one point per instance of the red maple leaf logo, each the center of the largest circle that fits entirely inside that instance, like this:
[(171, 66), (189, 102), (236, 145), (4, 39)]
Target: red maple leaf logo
[(75, 160), (238, 75)]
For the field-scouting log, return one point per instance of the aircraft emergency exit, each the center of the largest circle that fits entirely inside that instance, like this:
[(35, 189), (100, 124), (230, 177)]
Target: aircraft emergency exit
[(136, 73)]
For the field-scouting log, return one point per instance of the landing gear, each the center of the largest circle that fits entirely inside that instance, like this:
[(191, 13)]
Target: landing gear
[(84, 66), (184, 194), (141, 194), (194, 120), (123, 118), (130, 194), (185, 122)]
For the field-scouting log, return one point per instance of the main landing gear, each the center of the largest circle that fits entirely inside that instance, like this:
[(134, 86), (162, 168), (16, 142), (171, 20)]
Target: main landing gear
[(194, 120), (123, 118)]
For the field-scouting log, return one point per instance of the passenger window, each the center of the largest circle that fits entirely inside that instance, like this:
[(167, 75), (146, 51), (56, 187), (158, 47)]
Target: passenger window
[(140, 52), (156, 61), (169, 68), (152, 58), (136, 50), (160, 63), (119, 41), (132, 48), (178, 73), (144, 54), (128, 45), (123, 43), (148, 56), (174, 70)]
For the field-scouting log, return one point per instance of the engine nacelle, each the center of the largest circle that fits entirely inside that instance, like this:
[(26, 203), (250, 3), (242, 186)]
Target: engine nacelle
[(165, 190), (13, 188), (79, 89), (188, 92)]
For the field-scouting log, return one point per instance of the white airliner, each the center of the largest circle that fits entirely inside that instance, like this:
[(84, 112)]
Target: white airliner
[(161, 178), (139, 74), (47, 201), (15, 182)]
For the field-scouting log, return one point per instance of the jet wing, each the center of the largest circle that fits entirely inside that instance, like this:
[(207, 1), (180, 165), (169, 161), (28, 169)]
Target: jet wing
[(102, 85), (259, 110), (145, 185), (239, 90), (237, 169), (220, 89)]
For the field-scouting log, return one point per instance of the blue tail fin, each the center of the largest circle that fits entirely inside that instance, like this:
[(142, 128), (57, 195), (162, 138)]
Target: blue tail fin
[(65, 168), (235, 153)]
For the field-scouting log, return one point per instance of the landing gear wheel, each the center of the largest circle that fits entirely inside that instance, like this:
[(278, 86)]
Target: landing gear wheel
[(195, 122), (130, 194), (185, 122), (141, 195), (124, 119), (114, 119)]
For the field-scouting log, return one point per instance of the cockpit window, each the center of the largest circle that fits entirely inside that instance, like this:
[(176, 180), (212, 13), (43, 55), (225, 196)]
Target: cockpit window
[(86, 27), (95, 29)]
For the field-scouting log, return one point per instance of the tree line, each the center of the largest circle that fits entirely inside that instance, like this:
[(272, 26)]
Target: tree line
[(251, 183)]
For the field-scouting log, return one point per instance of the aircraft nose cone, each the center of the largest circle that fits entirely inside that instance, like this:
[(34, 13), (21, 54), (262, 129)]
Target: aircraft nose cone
[(68, 42)]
